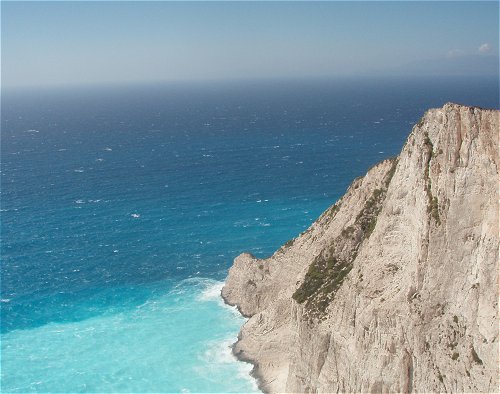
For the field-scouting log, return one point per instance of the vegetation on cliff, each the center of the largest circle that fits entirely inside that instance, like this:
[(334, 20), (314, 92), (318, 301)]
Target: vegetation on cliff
[(330, 268)]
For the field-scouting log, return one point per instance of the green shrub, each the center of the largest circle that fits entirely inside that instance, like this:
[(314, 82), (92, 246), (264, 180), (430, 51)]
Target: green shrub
[(327, 272)]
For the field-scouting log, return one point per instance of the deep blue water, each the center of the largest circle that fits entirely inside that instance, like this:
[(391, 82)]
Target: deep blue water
[(123, 208)]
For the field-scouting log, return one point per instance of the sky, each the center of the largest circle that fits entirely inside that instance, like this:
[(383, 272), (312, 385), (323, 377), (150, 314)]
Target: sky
[(68, 43)]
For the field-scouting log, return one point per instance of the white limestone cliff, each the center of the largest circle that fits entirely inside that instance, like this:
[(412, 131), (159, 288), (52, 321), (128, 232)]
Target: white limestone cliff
[(395, 287)]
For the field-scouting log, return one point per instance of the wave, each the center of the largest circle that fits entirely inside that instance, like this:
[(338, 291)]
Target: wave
[(218, 354), (212, 291)]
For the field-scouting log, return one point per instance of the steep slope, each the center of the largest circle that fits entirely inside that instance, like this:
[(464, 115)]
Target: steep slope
[(394, 288)]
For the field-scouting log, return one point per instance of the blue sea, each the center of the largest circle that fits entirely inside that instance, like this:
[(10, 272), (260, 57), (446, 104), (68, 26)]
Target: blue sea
[(123, 207)]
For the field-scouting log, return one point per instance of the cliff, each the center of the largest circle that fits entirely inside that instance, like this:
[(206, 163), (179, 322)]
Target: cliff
[(394, 288)]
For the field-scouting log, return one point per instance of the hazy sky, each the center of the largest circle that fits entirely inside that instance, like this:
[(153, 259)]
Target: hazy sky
[(45, 43)]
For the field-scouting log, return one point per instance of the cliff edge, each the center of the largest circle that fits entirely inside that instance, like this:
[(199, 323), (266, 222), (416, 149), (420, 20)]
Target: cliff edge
[(395, 287)]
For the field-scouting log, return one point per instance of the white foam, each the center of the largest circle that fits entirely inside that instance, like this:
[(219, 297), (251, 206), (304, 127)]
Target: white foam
[(212, 292), (218, 354)]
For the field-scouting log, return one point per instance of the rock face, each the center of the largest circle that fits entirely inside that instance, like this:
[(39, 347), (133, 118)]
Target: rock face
[(395, 287)]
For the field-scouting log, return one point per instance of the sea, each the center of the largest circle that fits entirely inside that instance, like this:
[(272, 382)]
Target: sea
[(123, 207)]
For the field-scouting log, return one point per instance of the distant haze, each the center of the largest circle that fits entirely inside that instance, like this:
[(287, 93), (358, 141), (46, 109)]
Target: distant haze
[(59, 43)]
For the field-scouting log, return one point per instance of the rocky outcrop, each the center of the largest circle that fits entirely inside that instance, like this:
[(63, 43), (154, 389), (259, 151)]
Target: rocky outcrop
[(395, 287)]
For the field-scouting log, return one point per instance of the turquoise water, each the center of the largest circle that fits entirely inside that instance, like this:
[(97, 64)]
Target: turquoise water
[(123, 208), (133, 350)]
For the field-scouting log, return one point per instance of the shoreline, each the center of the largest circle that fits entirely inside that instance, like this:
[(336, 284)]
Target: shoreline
[(254, 373)]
